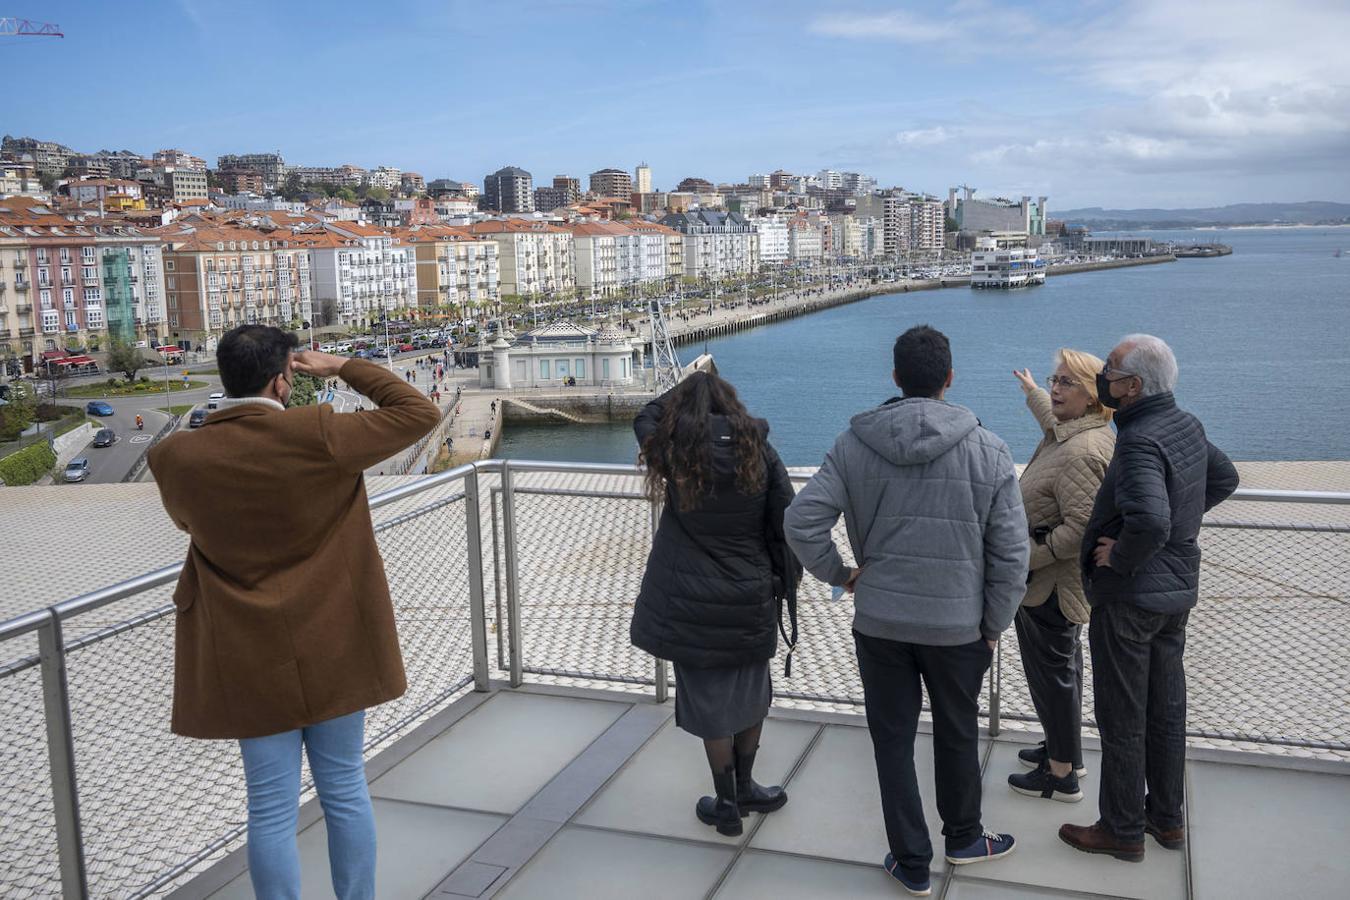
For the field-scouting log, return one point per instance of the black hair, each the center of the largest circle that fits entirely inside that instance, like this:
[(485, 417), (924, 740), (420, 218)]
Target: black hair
[(250, 356), (923, 359)]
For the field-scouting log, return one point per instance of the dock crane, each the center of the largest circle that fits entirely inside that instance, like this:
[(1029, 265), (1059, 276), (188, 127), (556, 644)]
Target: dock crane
[(11, 26)]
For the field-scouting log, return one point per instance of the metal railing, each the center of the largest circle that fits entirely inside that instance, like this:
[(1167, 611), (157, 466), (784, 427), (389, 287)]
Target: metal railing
[(98, 798)]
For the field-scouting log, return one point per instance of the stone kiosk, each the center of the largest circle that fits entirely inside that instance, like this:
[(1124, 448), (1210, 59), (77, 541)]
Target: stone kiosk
[(548, 356)]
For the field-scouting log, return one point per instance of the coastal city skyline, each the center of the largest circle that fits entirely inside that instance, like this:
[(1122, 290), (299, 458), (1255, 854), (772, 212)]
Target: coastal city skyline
[(1160, 115)]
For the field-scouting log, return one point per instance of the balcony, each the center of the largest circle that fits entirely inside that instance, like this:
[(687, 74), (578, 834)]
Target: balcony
[(20, 262), (534, 754), (26, 332), (23, 309), (21, 285)]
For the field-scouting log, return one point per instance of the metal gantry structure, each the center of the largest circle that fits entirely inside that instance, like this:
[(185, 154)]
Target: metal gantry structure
[(11, 26), (665, 364)]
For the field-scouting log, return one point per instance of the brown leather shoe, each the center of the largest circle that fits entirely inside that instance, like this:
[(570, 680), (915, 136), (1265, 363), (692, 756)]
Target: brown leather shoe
[(1171, 838), (1097, 839)]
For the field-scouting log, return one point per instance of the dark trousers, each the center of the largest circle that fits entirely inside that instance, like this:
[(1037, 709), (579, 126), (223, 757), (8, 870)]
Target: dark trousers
[(1140, 688), (891, 674), (1052, 657)]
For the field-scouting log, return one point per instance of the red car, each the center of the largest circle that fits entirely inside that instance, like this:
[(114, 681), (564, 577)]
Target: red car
[(404, 348)]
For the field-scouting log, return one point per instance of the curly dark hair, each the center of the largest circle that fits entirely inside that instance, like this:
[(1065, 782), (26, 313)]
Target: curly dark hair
[(678, 453)]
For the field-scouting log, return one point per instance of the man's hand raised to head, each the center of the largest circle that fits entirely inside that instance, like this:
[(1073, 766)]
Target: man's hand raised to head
[(320, 365)]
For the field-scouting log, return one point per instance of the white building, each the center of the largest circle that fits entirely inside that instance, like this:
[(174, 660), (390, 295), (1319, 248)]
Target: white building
[(992, 266), (829, 179), (597, 254), (848, 237), (387, 177), (805, 241), (551, 355), (535, 257), (362, 271), (642, 179), (716, 244), (775, 244)]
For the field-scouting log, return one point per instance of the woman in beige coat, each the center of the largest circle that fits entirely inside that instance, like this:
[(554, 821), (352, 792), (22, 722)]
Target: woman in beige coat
[(1059, 486)]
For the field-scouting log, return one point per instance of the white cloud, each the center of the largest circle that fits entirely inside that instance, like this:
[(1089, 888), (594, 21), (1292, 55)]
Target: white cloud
[(1244, 87)]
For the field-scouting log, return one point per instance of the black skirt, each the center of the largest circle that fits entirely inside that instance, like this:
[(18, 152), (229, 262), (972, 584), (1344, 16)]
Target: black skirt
[(720, 702)]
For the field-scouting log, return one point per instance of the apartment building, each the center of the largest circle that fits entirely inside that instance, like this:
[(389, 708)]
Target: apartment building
[(348, 175), (74, 281), (185, 185), (240, 181), (88, 167), (611, 183), (111, 194), (572, 187), (220, 273), (412, 183), (716, 244), (534, 257), (663, 242), (927, 223), (48, 157), (597, 256), (775, 245), (18, 179), (270, 166), (547, 199), (642, 179), (178, 159), (454, 268), (806, 242), (387, 177), (365, 272), (509, 190)]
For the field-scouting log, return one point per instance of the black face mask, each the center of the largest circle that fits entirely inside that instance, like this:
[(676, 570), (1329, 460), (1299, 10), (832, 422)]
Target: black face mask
[(1104, 393)]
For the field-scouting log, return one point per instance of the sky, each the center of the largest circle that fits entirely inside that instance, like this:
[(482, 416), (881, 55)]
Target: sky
[(1151, 103)]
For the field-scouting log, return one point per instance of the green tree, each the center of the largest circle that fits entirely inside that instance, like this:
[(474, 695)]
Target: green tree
[(125, 358), (292, 188), (347, 194), (951, 224), (19, 413), (304, 390), (377, 193)]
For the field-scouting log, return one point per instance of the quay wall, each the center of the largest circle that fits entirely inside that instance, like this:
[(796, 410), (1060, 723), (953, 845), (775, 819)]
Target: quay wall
[(1071, 268), (590, 408)]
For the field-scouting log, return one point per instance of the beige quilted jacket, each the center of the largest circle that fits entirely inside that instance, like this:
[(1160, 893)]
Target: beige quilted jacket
[(1059, 486)]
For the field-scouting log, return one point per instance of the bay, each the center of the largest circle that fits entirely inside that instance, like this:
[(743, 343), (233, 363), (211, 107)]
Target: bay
[(1262, 338)]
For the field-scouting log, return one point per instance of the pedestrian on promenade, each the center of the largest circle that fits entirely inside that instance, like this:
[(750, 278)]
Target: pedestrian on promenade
[(1059, 486), (270, 649), (1141, 567), (936, 526), (717, 576)]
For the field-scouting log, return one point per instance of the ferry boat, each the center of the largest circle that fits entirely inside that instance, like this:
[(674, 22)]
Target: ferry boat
[(1004, 268)]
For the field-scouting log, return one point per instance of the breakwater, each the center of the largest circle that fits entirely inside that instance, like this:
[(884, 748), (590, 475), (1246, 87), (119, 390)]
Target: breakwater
[(737, 319)]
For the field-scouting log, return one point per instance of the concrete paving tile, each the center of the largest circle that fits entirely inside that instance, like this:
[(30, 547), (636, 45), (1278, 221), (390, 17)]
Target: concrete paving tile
[(759, 875), (417, 846), (656, 791), (501, 754), (1042, 859), (1268, 833), (835, 806), (586, 864)]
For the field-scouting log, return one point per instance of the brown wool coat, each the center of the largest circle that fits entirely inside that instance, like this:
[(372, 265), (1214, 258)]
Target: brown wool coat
[(284, 618), (1059, 486)]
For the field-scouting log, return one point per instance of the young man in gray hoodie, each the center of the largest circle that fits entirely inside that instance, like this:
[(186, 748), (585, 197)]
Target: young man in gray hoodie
[(935, 521)]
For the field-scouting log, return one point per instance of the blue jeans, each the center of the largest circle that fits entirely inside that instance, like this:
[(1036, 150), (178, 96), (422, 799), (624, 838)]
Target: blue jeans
[(272, 770)]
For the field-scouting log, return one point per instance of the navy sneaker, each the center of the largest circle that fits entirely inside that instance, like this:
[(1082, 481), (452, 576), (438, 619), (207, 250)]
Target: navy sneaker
[(916, 888), (1035, 758), (986, 847), (1040, 783)]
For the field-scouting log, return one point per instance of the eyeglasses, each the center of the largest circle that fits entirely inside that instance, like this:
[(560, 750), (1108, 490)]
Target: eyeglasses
[(1062, 381), (1107, 371)]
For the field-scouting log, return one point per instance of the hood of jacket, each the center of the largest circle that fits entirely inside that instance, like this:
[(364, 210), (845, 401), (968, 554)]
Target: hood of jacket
[(913, 430)]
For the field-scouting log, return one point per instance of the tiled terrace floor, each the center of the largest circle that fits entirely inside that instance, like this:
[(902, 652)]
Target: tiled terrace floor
[(557, 793)]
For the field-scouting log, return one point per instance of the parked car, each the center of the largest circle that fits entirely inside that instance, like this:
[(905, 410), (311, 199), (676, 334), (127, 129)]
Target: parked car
[(197, 417), (105, 437), (404, 348), (77, 469), (344, 347), (98, 408), (213, 402)]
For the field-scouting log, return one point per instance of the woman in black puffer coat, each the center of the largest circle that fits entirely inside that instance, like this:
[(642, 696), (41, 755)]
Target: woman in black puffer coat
[(718, 572)]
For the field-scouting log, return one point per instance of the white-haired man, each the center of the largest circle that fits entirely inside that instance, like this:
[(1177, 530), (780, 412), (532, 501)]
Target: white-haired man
[(1141, 569)]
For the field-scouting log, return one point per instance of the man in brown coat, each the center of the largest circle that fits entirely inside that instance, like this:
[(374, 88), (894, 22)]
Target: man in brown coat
[(285, 631)]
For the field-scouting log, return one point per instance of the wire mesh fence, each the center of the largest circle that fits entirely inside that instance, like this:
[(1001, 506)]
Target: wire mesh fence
[(1264, 660)]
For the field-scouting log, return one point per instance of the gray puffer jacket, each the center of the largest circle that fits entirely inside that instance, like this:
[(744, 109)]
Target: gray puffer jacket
[(934, 518)]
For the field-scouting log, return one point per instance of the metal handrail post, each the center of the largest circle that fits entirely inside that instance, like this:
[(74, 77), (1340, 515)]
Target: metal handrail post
[(477, 609), (496, 575), (995, 689), (61, 759), (512, 575), (662, 684)]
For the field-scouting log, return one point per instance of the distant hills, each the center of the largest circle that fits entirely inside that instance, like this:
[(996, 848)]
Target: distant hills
[(1313, 212)]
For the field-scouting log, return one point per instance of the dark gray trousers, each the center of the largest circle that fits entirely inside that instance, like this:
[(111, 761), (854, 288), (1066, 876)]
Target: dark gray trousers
[(1139, 687), (1052, 657)]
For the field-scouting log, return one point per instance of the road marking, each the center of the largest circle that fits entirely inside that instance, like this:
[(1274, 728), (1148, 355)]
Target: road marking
[(140, 438)]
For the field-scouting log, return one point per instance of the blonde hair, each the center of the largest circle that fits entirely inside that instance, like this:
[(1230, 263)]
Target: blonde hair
[(1084, 368)]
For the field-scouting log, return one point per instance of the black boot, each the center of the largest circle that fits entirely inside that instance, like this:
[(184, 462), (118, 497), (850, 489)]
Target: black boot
[(752, 797), (721, 811)]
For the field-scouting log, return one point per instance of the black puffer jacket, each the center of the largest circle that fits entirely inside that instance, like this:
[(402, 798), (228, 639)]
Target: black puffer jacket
[(1164, 477), (715, 573)]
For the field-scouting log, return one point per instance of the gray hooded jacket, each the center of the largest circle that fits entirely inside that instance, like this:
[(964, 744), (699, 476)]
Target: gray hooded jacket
[(934, 518)]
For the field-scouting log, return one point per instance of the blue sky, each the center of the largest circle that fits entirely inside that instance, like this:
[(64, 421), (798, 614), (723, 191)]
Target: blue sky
[(1151, 103)]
